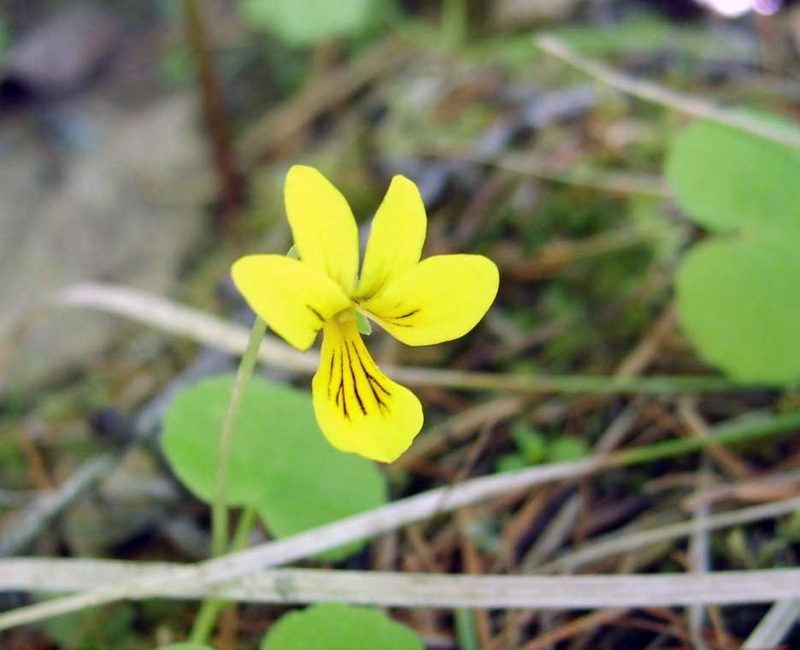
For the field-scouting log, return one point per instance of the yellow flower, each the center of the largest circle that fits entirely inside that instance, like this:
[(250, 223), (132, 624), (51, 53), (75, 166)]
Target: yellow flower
[(441, 298)]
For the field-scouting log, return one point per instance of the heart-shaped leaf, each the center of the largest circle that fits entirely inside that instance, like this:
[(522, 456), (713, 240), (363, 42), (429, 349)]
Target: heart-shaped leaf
[(727, 180), (339, 627), (740, 302), (280, 463)]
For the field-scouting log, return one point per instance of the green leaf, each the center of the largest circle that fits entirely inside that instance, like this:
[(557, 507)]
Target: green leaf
[(339, 627), (363, 324), (739, 300), (306, 22), (96, 628), (186, 646), (737, 297), (789, 529), (567, 449), (510, 463), (727, 180), (280, 462), (531, 442)]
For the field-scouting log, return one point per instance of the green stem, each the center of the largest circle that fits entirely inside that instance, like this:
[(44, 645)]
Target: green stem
[(210, 610), (726, 434), (207, 616), (466, 630), (219, 510), (455, 22), (243, 528)]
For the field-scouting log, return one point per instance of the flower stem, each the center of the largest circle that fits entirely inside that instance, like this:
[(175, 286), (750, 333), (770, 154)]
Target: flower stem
[(207, 616), (211, 609), (219, 510)]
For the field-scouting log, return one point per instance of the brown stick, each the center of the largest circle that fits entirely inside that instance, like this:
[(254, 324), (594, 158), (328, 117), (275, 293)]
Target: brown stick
[(214, 110)]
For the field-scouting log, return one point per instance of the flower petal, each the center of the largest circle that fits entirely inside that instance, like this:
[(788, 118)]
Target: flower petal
[(323, 226), (293, 298), (358, 408), (440, 299), (396, 238)]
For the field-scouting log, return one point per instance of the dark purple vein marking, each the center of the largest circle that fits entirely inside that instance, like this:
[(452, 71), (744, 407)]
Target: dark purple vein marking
[(372, 382), (353, 375), (393, 320), (316, 313), (411, 313), (330, 375), (341, 390)]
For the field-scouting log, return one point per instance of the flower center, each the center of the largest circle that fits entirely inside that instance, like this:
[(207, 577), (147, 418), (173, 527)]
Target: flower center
[(345, 316)]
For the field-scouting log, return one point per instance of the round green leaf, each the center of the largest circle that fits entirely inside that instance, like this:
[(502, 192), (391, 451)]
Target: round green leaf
[(739, 301), (280, 462), (725, 179), (306, 22), (339, 627)]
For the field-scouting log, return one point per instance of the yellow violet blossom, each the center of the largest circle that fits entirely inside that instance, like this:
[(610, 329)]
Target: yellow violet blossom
[(358, 408)]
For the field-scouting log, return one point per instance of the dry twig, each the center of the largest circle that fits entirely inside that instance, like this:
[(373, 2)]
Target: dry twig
[(413, 590)]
